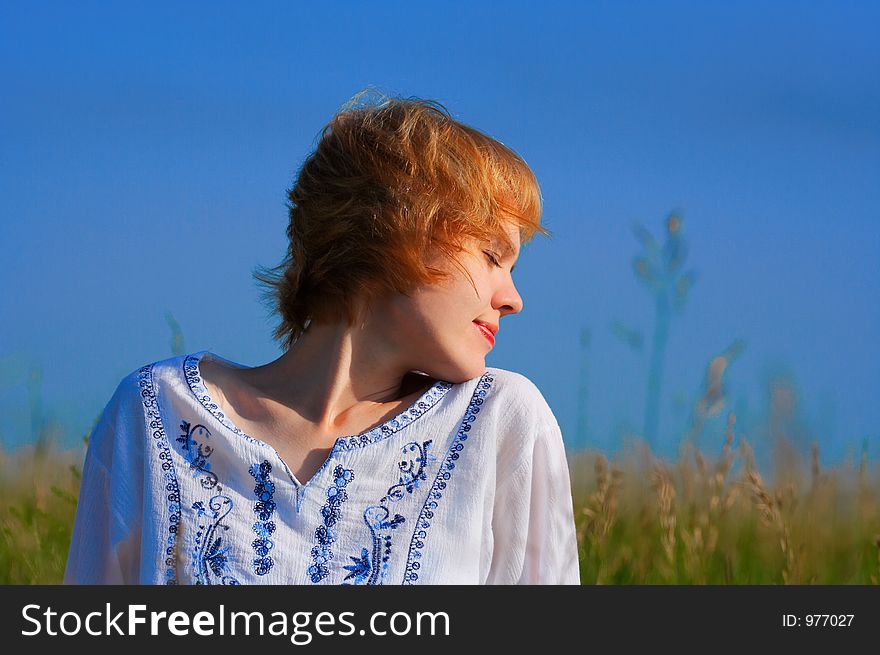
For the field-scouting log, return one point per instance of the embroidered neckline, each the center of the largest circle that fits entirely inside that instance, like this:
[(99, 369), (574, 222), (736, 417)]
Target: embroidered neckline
[(444, 473), (426, 401)]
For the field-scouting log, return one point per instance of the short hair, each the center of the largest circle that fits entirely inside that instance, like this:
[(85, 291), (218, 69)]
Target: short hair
[(392, 183)]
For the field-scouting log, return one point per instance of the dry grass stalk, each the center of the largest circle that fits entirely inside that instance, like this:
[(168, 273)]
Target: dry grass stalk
[(815, 469), (700, 534), (701, 541), (600, 513), (701, 465), (601, 507), (722, 469), (666, 503), (770, 511)]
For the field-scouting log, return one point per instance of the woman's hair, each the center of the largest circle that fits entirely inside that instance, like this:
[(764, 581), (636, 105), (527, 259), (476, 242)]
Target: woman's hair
[(392, 184)]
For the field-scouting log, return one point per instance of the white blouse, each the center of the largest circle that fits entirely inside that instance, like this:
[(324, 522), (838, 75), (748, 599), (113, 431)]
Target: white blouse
[(470, 485)]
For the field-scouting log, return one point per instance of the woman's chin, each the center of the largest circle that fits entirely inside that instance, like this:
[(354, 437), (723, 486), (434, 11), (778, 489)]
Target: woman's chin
[(474, 371)]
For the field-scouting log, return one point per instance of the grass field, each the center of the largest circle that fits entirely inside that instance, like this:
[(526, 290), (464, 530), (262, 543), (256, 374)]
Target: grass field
[(640, 520), (692, 521), (39, 486)]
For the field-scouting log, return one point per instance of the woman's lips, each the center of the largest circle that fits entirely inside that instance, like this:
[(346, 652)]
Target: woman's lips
[(486, 333)]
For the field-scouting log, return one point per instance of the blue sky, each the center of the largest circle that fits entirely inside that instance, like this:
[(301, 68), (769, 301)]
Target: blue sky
[(147, 148)]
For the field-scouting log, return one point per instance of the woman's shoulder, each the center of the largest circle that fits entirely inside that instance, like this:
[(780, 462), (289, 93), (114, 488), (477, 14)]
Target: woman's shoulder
[(524, 422), (182, 365), (133, 405), (121, 425), (141, 384), (521, 397)]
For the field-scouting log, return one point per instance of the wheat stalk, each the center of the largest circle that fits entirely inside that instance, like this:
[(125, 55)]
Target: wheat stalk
[(815, 468), (601, 507), (666, 502), (770, 511), (601, 511)]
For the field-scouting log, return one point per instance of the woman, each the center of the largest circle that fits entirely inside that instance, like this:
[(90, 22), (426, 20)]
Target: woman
[(379, 448)]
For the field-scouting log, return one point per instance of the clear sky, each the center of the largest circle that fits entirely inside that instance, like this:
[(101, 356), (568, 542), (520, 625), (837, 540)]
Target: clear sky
[(147, 146)]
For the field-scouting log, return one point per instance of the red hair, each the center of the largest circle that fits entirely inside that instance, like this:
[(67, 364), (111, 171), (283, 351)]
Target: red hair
[(390, 185)]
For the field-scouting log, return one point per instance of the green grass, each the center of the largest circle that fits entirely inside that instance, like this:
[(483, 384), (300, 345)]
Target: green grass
[(38, 494), (641, 520)]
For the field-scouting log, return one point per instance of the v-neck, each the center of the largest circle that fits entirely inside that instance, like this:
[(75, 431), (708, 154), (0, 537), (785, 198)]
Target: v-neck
[(426, 401)]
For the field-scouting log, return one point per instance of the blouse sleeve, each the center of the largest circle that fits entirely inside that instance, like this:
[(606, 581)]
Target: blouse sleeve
[(533, 519), (105, 544)]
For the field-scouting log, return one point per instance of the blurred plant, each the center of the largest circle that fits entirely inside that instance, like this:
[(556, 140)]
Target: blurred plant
[(713, 398), (35, 402), (659, 270), (39, 487), (599, 509), (13, 369), (582, 437), (632, 337), (176, 334)]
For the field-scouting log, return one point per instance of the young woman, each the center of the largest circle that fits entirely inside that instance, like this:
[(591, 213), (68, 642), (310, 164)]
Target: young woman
[(379, 448)]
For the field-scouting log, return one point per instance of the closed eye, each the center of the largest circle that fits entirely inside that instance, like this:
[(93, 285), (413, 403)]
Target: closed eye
[(492, 258)]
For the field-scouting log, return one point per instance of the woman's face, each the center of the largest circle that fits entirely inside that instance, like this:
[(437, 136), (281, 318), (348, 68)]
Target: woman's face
[(435, 328)]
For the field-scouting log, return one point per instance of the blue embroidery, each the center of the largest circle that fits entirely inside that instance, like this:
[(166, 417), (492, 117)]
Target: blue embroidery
[(325, 534), (366, 568), (410, 478), (428, 400), (213, 555), (418, 539), (197, 453), (157, 432), (210, 556), (263, 508)]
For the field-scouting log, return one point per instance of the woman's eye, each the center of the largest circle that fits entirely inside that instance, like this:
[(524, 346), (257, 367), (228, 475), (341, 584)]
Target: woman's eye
[(492, 258)]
